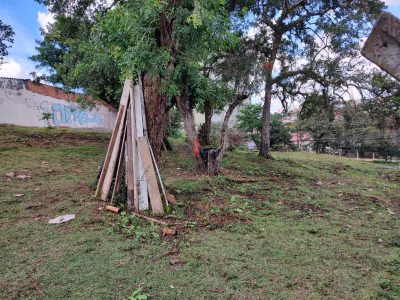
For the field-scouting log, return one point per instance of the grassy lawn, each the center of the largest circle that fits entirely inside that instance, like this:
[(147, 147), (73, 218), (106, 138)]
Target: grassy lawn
[(302, 226)]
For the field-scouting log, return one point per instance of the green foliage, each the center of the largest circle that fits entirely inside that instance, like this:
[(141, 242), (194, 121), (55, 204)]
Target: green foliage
[(6, 39), (46, 116), (138, 295), (250, 121), (131, 227), (95, 48), (175, 129), (387, 149)]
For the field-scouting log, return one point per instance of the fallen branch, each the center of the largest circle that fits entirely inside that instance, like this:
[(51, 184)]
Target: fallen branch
[(150, 219)]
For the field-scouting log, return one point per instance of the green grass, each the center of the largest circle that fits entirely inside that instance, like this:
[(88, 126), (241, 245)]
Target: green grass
[(301, 226)]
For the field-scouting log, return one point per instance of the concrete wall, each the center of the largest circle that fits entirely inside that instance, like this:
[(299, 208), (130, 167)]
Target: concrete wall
[(23, 102)]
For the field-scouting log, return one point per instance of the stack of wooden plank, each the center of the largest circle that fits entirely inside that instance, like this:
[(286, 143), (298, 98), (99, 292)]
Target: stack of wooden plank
[(129, 153)]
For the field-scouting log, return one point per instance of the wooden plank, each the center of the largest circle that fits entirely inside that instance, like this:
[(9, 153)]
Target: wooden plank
[(154, 192), (120, 117), (130, 182), (143, 110), (115, 150), (134, 152), (113, 158), (109, 152), (383, 44), (158, 175), (141, 178), (119, 168), (125, 92)]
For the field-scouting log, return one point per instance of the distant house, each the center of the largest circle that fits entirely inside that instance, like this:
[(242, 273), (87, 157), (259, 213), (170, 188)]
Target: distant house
[(26, 103), (302, 139)]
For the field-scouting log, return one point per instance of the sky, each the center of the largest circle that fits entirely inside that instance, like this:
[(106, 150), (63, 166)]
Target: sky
[(27, 17)]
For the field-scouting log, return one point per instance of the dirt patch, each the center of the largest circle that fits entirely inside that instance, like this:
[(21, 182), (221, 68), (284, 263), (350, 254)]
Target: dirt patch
[(395, 205), (304, 207), (18, 175), (393, 177), (352, 198), (204, 214), (338, 167)]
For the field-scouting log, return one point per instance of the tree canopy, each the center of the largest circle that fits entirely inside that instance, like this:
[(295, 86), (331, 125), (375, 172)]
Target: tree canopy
[(6, 39)]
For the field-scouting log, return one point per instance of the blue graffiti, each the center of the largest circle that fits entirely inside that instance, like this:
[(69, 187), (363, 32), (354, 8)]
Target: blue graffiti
[(70, 114)]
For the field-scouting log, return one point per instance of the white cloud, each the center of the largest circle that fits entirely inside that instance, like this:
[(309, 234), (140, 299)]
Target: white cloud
[(17, 67), (393, 3), (11, 68), (44, 19)]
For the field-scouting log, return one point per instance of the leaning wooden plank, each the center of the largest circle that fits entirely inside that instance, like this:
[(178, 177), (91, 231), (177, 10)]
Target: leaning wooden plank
[(113, 158), (109, 152), (115, 150), (129, 162), (152, 186), (158, 175), (134, 151), (141, 178), (125, 93), (123, 102), (143, 110), (119, 168)]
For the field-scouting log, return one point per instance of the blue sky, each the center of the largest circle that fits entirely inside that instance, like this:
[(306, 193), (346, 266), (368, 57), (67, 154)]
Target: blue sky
[(26, 17)]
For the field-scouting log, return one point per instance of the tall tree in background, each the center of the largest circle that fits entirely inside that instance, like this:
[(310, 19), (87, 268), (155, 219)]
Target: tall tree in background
[(6, 39), (287, 35)]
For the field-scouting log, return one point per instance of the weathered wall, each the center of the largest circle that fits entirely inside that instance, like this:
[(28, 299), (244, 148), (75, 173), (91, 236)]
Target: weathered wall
[(23, 103)]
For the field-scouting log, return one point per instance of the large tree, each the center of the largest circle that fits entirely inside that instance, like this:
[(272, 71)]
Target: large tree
[(95, 45), (289, 35)]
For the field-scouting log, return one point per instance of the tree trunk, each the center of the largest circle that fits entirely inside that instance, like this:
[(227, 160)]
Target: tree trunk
[(215, 158), (207, 124), (155, 107), (154, 101), (265, 150), (183, 105)]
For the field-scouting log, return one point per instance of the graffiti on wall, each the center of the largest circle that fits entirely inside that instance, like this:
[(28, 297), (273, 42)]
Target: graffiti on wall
[(71, 115)]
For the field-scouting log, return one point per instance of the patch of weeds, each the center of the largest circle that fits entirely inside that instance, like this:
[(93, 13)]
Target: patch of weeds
[(241, 228), (191, 224), (389, 290), (138, 295), (395, 241), (187, 187), (394, 267), (248, 189), (131, 227)]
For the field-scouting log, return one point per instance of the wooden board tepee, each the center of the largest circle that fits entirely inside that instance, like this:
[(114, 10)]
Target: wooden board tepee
[(130, 153)]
